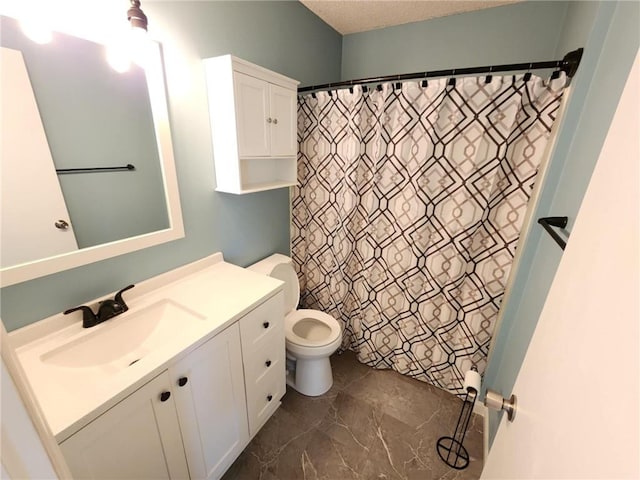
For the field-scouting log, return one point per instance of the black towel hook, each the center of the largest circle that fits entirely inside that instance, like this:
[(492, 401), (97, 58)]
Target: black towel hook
[(559, 222)]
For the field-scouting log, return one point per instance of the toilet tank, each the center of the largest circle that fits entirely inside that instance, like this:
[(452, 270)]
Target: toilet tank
[(280, 267)]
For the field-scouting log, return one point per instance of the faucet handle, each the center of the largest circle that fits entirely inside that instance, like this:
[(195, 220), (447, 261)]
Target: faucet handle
[(120, 301), (89, 319)]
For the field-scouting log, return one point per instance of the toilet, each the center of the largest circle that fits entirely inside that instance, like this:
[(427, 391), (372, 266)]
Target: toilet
[(311, 336)]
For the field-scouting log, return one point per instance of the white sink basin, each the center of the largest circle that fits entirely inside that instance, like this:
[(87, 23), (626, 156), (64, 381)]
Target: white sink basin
[(122, 341)]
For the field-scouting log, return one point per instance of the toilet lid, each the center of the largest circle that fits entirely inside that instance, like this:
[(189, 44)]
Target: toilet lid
[(286, 273)]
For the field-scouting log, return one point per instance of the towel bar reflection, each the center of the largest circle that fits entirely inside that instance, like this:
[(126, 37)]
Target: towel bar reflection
[(549, 222), (65, 171)]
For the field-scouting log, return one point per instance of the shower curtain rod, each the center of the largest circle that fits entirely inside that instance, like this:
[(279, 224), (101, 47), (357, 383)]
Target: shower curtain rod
[(569, 64)]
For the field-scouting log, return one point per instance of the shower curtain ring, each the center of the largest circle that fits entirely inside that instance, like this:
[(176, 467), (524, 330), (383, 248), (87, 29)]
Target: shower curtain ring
[(489, 77), (527, 76)]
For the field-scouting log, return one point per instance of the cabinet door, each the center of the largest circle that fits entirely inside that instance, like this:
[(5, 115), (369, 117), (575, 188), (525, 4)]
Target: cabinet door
[(283, 131), (209, 388), (252, 115), (137, 438)]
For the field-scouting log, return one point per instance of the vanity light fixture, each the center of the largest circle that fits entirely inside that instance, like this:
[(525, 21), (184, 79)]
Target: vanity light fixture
[(136, 16), (133, 47)]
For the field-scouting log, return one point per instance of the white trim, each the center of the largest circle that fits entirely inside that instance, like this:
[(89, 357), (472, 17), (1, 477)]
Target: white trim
[(12, 461), (530, 222), (485, 437), (480, 409)]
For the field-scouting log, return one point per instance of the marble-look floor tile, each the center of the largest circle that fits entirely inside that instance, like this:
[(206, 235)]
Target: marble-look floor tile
[(346, 369), (372, 424), (351, 422)]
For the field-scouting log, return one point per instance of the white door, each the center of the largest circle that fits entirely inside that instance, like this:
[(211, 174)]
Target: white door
[(139, 438), (209, 392), (578, 388), (252, 115), (31, 199), (283, 104)]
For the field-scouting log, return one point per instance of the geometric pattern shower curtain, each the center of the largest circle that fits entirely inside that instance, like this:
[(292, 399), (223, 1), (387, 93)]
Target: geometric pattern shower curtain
[(408, 211)]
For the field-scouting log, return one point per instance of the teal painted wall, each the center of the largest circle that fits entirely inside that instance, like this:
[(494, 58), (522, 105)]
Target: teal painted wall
[(282, 36), (527, 31), (609, 31)]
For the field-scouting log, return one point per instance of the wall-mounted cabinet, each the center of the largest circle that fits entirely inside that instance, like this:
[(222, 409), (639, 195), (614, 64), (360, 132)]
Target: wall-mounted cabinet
[(253, 113)]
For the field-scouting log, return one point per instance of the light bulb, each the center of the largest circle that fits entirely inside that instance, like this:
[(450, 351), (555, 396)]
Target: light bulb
[(36, 30), (139, 45), (118, 57)]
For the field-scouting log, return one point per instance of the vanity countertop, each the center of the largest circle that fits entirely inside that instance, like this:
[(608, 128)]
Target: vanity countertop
[(210, 293)]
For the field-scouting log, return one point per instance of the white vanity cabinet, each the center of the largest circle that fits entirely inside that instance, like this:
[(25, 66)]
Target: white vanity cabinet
[(137, 438), (253, 114), (196, 417), (193, 414)]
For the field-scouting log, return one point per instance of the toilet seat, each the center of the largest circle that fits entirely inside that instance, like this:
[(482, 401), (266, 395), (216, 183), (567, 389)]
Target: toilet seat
[(292, 319)]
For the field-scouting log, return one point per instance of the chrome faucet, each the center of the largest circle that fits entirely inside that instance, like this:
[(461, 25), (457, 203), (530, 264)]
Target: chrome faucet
[(107, 309)]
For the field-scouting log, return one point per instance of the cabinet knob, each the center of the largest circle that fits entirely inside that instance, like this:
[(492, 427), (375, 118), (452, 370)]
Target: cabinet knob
[(275, 121), (182, 381), (269, 398), (164, 396), (268, 363), (269, 120), (265, 324)]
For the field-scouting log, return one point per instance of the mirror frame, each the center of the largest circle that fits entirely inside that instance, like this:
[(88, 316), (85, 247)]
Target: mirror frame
[(58, 263)]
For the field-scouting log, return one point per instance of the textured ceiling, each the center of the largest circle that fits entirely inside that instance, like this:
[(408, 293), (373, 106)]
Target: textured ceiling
[(352, 16)]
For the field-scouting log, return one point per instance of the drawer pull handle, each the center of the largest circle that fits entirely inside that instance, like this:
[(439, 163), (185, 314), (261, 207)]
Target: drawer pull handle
[(182, 381), (164, 396), (268, 363), (265, 324), (269, 398)]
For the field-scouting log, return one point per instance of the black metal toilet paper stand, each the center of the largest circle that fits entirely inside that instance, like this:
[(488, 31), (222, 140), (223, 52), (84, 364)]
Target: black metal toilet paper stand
[(450, 449)]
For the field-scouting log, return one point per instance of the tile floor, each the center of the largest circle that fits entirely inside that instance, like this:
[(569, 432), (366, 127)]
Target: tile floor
[(372, 424)]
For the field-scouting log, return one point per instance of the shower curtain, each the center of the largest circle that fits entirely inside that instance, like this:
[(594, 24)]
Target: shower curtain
[(410, 203)]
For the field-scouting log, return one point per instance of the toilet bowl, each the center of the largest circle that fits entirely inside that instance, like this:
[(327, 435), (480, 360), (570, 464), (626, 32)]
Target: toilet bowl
[(311, 336)]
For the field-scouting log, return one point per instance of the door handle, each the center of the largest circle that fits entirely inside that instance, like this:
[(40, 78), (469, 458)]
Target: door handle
[(496, 401)]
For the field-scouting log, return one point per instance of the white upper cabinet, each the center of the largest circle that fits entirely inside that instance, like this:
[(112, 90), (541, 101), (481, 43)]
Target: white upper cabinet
[(253, 120)]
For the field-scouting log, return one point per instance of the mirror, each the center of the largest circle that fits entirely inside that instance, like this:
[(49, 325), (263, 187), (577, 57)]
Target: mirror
[(65, 109)]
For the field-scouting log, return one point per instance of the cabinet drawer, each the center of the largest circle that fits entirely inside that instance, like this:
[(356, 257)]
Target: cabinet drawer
[(269, 355), (263, 398), (260, 322)]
